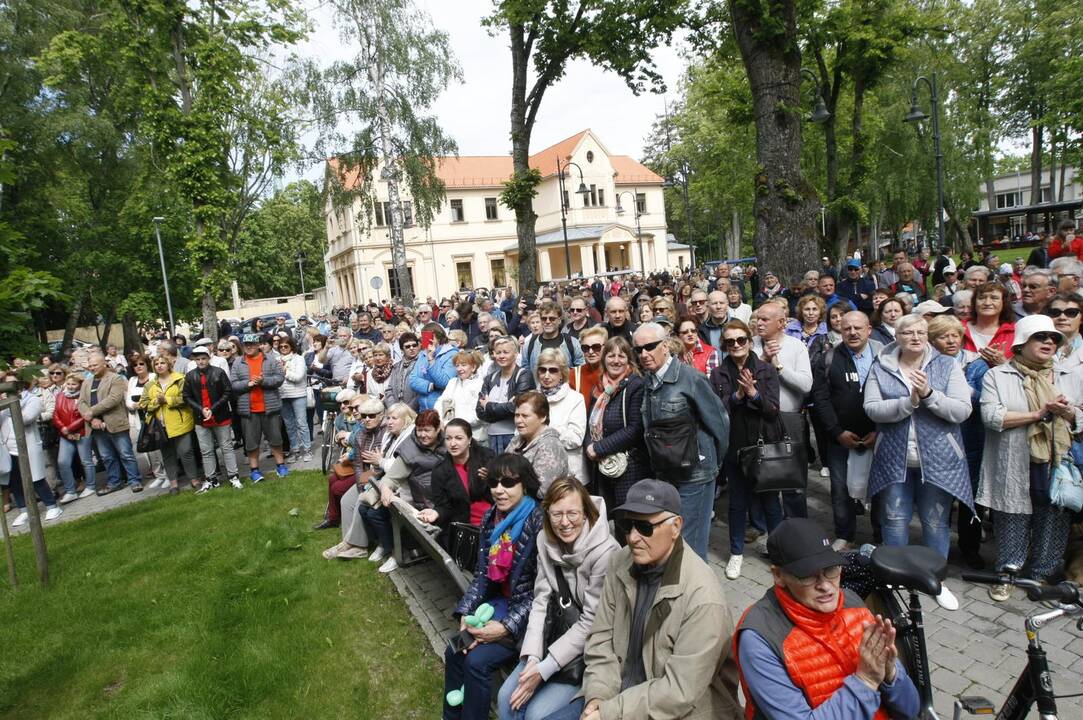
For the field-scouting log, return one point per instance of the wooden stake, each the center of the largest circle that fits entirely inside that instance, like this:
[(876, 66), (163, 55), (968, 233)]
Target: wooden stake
[(41, 555)]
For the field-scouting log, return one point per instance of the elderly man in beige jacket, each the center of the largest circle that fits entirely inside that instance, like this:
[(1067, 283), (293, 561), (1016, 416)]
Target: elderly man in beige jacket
[(101, 403), (662, 634)]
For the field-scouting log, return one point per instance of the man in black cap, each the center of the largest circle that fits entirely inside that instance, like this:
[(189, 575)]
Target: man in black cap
[(660, 643), (808, 644)]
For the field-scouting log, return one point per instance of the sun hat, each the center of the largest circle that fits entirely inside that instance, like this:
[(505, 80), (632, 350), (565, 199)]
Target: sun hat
[(1025, 327)]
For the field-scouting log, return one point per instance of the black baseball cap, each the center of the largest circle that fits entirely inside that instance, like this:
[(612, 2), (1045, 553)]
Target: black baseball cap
[(800, 547), (648, 497)]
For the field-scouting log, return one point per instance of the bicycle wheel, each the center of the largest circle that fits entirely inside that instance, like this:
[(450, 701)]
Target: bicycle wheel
[(327, 451)]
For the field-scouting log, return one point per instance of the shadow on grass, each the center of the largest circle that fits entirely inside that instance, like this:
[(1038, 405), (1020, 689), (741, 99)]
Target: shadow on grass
[(216, 606)]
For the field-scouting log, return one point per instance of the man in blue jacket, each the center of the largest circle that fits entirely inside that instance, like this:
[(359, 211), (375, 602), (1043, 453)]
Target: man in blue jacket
[(856, 288), (434, 368)]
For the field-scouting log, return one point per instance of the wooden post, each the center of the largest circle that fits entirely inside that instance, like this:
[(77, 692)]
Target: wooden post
[(8, 549), (41, 555)]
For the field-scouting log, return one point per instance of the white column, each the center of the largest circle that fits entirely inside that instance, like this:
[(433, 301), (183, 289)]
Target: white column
[(601, 264), (586, 260), (545, 272), (633, 259)]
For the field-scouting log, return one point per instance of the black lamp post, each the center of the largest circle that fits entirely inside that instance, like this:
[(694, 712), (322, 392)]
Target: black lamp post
[(583, 190), (916, 114), (639, 235), (820, 113)]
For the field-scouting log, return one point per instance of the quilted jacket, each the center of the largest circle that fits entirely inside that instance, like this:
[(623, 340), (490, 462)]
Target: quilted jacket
[(524, 571)]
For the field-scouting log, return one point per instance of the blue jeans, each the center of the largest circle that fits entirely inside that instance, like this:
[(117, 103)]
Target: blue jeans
[(295, 415), (64, 456), (571, 711), (934, 508), (546, 700), (499, 443), (116, 450), (841, 504), (474, 673), (742, 498), (697, 501), (377, 522)]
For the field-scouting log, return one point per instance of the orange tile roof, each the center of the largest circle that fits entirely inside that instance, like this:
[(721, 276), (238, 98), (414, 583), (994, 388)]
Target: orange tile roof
[(482, 171)]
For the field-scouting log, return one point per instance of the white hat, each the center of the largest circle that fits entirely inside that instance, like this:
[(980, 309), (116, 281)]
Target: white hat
[(930, 307), (1031, 324), (1005, 269)]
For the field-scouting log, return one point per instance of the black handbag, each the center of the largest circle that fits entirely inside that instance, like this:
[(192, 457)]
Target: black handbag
[(50, 438), (774, 466), (152, 435), (673, 444), (462, 545), (560, 615)]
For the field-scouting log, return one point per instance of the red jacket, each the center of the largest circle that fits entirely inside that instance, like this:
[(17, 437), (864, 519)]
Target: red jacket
[(1002, 339), (66, 417), (1057, 247)]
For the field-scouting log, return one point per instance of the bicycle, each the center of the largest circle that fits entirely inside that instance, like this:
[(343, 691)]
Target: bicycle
[(883, 575), (329, 449)]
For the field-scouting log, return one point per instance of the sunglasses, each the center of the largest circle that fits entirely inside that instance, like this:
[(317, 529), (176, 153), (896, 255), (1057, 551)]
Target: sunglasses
[(549, 318), (645, 528), (1066, 312), (668, 293), (735, 341), (647, 347), (504, 482), (593, 348), (699, 302), (1044, 337), (56, 372), (410, 346), (367, 416), (548, 371), (577, 310)]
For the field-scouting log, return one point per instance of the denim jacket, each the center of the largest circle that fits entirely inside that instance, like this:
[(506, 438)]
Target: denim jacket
[(682, 391)]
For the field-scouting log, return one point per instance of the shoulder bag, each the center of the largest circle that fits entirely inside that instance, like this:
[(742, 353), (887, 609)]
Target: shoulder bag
[(152, 435), (560, 615), (615, 464), (774, 466), (462, 545)]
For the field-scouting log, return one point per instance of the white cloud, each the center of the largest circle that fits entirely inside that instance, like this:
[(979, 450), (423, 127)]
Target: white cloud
[(476, 113)]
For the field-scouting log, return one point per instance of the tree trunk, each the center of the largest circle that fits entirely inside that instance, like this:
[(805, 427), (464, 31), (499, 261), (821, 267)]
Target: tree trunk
[(785, 204), (73, 322), (1052, 166), (1035, 164), (132, 341), (990, 193), (521, 129), (103, 341)]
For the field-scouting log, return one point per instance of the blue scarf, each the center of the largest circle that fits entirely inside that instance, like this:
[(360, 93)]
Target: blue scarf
[(513, 522)]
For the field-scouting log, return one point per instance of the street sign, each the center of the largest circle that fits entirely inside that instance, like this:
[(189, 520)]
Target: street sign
[(376, 282)]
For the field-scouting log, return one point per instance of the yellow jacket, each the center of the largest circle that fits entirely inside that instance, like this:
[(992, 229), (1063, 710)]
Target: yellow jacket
[(176, 415)]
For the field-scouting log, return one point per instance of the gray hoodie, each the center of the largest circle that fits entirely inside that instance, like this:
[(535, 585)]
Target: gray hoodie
[(546, 453), (584, 568)]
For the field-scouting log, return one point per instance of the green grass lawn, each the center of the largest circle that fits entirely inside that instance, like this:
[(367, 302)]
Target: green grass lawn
[(217, 606)]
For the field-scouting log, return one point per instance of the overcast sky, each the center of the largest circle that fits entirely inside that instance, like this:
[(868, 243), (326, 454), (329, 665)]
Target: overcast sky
[(476, 113)]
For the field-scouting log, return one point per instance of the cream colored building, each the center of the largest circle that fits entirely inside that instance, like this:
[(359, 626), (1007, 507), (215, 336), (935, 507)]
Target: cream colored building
[(472, 242)]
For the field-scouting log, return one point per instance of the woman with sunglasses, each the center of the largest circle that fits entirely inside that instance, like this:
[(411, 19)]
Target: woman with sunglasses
[(615, 447), (150, 464), (585, 377), (694, 351), (576, 544), (918, 399), (504, 382), (504, 579), (536, 440), (1066, 309), (567, 409), (1030, 407), (749, 389)]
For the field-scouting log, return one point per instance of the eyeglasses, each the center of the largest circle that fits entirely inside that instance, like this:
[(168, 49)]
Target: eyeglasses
[(667, 293), (828, 573), (577, 310), (504, 482), (735, 341), (409, 346), (647, 347), (367, 416), (913, 333), (61, 372), (645, 528), (1066, 312), (549, 318), (571, 516), (699, 302), (548, 371), (1044, 337), (687, 331), (593, 348)]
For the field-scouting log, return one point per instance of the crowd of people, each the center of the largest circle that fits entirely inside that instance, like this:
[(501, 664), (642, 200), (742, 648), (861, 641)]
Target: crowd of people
[(913, 386)]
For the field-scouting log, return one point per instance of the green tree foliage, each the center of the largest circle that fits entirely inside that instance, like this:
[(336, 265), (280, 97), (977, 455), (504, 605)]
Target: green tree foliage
[(288, 222), (544, 36)]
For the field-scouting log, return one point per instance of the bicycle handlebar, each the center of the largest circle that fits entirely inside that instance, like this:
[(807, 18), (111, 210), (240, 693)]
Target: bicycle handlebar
[(1065, 592)]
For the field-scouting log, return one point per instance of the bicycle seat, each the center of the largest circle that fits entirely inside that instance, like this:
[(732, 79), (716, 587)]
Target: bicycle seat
[(914, 567)]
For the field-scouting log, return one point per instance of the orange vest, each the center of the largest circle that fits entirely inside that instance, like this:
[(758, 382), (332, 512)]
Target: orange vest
[(818, 650)]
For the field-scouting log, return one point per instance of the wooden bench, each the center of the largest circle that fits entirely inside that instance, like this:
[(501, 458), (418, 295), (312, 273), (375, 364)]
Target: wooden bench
[(404, 519)]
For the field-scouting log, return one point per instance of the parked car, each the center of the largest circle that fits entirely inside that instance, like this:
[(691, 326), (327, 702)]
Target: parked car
[(268, 321)]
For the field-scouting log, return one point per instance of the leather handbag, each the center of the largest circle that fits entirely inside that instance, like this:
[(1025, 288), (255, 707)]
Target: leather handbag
[(152, 435), (774, 466), (463, 542), (616, 464), (561, 614)]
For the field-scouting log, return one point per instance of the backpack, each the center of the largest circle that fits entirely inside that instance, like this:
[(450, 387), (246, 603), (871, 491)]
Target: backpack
[(567, 344)]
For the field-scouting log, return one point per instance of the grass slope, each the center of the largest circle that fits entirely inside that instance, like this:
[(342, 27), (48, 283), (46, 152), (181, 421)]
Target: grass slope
[(216, 606)]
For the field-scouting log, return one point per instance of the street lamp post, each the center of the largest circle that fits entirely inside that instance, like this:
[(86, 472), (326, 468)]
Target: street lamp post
[(639, 235), (165, 276), (916, 114), (300, 257), (583, 190)]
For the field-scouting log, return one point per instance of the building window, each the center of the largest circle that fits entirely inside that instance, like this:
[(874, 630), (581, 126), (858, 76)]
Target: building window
[(1045, 194), (1009, 200), (566, 203), (490, 209), (383, 214), (407, 214), (464, 274), (590, 156), (393, 281), (457, 214), (591, 199), (641, 203), (496, 266), (601, 197)]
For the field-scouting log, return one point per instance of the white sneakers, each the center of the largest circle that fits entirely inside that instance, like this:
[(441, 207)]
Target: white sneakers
[(378, 555), (87, 492), (20, 520), (68, 497), (158, 483), (390, 565), (50, 514), (53, 513), (733, 567), (946, 599)]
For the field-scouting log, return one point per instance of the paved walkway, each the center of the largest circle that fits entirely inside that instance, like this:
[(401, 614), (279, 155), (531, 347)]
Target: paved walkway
[(979, 649)]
